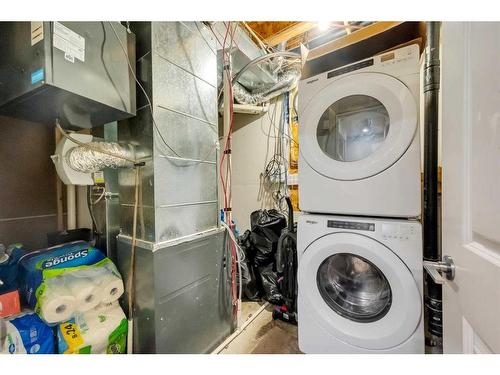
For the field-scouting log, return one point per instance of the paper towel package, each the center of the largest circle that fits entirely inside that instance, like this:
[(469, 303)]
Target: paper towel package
[(65, 280), (101, 330), (26, 334)]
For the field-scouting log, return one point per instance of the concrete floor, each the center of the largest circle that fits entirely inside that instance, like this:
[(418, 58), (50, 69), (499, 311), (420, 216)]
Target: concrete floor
[(263, 335)]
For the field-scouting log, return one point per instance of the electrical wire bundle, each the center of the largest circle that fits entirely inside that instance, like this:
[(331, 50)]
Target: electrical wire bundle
[(225, 174), (275, 174)]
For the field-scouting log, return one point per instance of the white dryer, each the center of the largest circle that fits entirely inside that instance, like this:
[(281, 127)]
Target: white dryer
[(359, 138), (360, 285)]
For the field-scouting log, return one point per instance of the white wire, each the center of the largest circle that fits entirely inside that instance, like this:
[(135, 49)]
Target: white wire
[(100, 197), (238, 260)]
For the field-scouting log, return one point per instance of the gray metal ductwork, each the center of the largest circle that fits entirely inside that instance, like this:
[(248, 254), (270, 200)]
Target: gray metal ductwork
[(284, 73), (40, 67), (286, 81), (182, 300)]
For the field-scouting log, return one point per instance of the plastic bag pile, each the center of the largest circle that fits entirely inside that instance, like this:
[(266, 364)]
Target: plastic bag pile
[(259, 276)]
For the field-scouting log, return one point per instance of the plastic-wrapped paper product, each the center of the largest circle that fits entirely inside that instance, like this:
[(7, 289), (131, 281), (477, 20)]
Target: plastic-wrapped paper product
[(9, 268), (25, 334), (66, 280), (102, 330), (85, 290), (58, 302), (111, 287)]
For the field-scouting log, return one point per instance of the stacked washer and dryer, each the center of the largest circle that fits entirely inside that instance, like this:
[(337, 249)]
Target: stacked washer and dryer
[(360, 278)]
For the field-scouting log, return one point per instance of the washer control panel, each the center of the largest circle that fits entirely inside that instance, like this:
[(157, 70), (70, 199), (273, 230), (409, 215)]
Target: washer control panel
[(398, 231), (353, 225)]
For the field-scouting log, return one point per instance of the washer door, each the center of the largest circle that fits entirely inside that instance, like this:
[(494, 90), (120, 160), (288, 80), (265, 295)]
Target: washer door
[(360, 291), (358, 126)]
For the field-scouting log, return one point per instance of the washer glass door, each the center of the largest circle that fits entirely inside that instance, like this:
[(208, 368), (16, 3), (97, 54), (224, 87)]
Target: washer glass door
[(359, 291), (354, 287)]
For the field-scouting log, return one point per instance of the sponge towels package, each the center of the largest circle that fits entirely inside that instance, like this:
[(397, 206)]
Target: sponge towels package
[(111, 286), (62, 281), (102, 330), (58, 302), (86, 291)]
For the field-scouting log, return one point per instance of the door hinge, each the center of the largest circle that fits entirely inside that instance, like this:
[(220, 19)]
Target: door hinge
[(437, 270)]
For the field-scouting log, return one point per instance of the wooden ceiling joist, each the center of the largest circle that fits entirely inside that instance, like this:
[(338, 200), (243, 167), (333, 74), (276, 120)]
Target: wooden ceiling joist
[(289, 33), (276, 33)]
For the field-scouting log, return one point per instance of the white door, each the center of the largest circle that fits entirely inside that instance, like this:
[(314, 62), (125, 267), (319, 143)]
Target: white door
[(363, 294), (471, 185), (358, 126)]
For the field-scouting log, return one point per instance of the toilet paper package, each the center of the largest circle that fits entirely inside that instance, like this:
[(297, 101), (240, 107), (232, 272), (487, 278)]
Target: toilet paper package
[(26, 334), (102, 330), (66, 280)]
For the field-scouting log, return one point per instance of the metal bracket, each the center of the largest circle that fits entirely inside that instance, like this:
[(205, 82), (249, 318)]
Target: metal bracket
[(110, 195), (437, 270)]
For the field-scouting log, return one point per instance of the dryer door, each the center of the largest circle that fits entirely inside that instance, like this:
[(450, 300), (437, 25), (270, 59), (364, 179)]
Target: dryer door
[(358, 126), (362, 293)]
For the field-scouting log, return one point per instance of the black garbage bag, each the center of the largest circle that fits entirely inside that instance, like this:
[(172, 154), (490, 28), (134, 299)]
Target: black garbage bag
[(250, 284), (269, 281), (263, 250), (270, 222), (266, 229)]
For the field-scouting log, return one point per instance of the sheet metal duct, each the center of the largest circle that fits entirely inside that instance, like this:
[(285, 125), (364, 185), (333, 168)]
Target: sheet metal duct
[(181, 258), (245, 51), (286, 81), (73, 71)]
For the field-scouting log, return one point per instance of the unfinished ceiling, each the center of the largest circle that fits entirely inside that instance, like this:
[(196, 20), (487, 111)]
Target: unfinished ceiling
[(294, 32)]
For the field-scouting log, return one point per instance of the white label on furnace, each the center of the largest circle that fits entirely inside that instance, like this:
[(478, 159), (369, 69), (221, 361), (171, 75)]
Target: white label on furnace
[(36, 32), (69, 42)]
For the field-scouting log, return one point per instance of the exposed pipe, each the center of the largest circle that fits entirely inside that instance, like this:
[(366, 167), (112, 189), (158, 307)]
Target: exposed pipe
[(286, 81), (433, 297), (263, 58), (92, 158), (59, 190), (71, 206)]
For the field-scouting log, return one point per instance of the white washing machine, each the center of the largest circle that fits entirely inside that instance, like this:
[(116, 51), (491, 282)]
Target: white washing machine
[(360, 285), (359, 138)]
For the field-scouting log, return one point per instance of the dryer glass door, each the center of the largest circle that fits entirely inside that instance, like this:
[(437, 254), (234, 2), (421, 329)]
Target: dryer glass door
[(359, 290), (353, 128), (358, 126)]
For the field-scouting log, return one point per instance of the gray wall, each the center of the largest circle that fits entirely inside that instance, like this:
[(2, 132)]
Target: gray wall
[(27, 183)]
